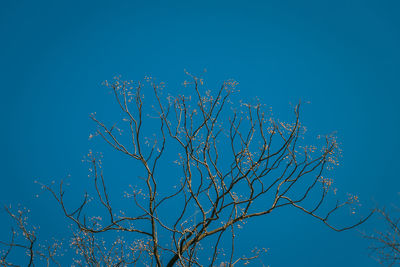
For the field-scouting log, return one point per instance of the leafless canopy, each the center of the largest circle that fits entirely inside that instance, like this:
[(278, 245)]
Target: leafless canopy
[(386, 244), (228, 161)]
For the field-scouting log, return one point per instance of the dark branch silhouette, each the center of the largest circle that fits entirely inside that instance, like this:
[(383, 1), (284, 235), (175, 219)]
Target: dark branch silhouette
[(385, 246)]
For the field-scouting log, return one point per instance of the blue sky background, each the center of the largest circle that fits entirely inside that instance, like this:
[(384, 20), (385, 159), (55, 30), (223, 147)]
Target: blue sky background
[(342, 56)]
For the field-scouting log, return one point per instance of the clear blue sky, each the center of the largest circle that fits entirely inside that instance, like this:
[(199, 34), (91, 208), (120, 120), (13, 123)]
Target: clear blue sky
[(342, 56)]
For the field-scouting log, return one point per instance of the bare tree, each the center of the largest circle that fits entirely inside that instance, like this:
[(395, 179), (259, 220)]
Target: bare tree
[(386, 244), (234, 162)]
